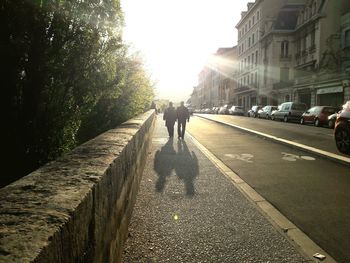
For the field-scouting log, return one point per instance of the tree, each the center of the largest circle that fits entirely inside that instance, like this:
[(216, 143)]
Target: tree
[(62, 59)]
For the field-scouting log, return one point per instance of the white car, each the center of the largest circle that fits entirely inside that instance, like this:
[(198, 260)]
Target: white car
[(236, 110)]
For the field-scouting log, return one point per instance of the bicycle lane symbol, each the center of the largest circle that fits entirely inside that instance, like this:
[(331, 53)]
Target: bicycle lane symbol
[(245, 157), (293, 158)]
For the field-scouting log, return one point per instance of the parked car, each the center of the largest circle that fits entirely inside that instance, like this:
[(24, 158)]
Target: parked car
[(342, 129), (253, 112), (236, 110), (224, 109), (274, 111), (318, 115), (331, 120), (290, 111), (266, 111), (215, 110)]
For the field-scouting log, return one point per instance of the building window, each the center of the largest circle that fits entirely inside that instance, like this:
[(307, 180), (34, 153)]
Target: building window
[(304, 43), (298, 45), (302, 17), (258, 15), (313, 34), (256, 77), (245, 28), (314, 8), (250, 24), (253, 39), (249, 40), (253, 20), (347, 39), (284, 74), (256, 57), (248, 80), (248, 60), (252, 58), (284, 49)]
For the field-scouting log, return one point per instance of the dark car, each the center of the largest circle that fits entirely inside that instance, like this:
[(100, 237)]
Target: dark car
[(253, 112), (266, 111), (342, 129), (318, 115), (289, 111)]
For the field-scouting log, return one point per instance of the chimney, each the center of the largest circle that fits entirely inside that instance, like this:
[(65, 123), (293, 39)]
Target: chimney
[(249, 5)]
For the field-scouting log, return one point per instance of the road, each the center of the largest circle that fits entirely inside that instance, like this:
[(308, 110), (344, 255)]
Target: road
[(318, 137), (310, 191)]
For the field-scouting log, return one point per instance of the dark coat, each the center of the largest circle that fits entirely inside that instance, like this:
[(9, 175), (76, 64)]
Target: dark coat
[(169, 116), (182, 114)]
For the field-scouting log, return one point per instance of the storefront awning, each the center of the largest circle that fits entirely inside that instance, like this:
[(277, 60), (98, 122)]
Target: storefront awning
[(337, 89)]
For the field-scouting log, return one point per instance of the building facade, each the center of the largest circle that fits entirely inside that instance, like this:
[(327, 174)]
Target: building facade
[(288, 50), (217, 80), (304, 54), (252, 25)]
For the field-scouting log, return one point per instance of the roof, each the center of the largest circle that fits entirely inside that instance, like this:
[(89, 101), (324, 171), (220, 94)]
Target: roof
[(287, 17)]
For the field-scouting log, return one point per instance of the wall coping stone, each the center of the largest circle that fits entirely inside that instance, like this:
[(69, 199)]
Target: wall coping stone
[(58, 212)]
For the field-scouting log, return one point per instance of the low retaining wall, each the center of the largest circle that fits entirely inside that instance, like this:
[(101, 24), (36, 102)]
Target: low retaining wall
[(77, 208)]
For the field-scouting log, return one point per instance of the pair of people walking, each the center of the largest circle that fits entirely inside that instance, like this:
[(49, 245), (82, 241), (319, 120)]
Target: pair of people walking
[(181, 115)]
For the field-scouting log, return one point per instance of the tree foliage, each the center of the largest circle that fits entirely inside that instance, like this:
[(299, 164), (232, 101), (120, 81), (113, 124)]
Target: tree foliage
[(67, 77)]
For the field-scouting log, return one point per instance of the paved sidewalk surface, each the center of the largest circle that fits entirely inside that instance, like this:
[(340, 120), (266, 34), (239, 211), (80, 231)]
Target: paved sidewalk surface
[(187, 211)]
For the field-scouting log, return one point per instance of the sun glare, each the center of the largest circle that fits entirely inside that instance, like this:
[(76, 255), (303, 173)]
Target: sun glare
[(177, 37)]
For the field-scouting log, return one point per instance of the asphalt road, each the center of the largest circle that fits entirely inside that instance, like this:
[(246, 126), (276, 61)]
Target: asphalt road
[(311, 192), (319, 137)]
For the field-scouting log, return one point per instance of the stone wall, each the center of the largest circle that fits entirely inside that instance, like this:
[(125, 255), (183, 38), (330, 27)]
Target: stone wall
[(77, 208)]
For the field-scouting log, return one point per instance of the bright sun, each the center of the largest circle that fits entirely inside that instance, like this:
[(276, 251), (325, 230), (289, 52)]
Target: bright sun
[(177, 37)]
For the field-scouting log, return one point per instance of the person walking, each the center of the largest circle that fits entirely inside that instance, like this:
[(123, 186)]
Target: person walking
[(182, 116), (154, 107), (170, 119)]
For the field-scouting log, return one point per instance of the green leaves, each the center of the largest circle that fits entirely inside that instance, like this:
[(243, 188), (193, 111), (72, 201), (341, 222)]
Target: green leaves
[(68, 77)]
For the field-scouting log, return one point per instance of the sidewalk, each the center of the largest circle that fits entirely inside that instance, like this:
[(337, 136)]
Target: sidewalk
[(187, 211)]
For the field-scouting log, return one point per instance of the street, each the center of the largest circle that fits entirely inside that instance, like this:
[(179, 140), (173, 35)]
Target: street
[(310, 191)]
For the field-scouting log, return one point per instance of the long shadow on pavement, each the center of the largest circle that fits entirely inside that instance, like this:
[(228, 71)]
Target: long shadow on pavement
[(184, 162)]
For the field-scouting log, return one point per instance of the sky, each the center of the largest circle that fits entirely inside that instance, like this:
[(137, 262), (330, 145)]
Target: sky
[(176, 38)]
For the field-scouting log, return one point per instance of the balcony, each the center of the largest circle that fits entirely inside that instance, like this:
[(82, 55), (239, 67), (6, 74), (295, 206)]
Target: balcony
[(312, 49), (304, 53), (282, 84), (245, 88), (285, 58)]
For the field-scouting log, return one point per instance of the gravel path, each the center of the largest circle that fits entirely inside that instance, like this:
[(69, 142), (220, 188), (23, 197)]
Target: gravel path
[(187, 211)]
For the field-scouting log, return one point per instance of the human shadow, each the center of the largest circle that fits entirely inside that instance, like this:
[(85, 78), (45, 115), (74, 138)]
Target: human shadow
[(163, 163), (184, 162), (186, 167)]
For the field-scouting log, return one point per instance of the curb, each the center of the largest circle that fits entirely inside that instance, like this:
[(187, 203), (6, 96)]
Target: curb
[(321, 153), (294, 235)]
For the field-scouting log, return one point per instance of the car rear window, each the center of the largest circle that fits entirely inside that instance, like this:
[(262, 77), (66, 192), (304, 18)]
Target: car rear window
[(329, 110), (297, 106)]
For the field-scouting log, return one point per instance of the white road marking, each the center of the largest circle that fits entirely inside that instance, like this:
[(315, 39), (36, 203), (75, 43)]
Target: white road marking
[(245, 157), (329, 155), (292, 157)]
